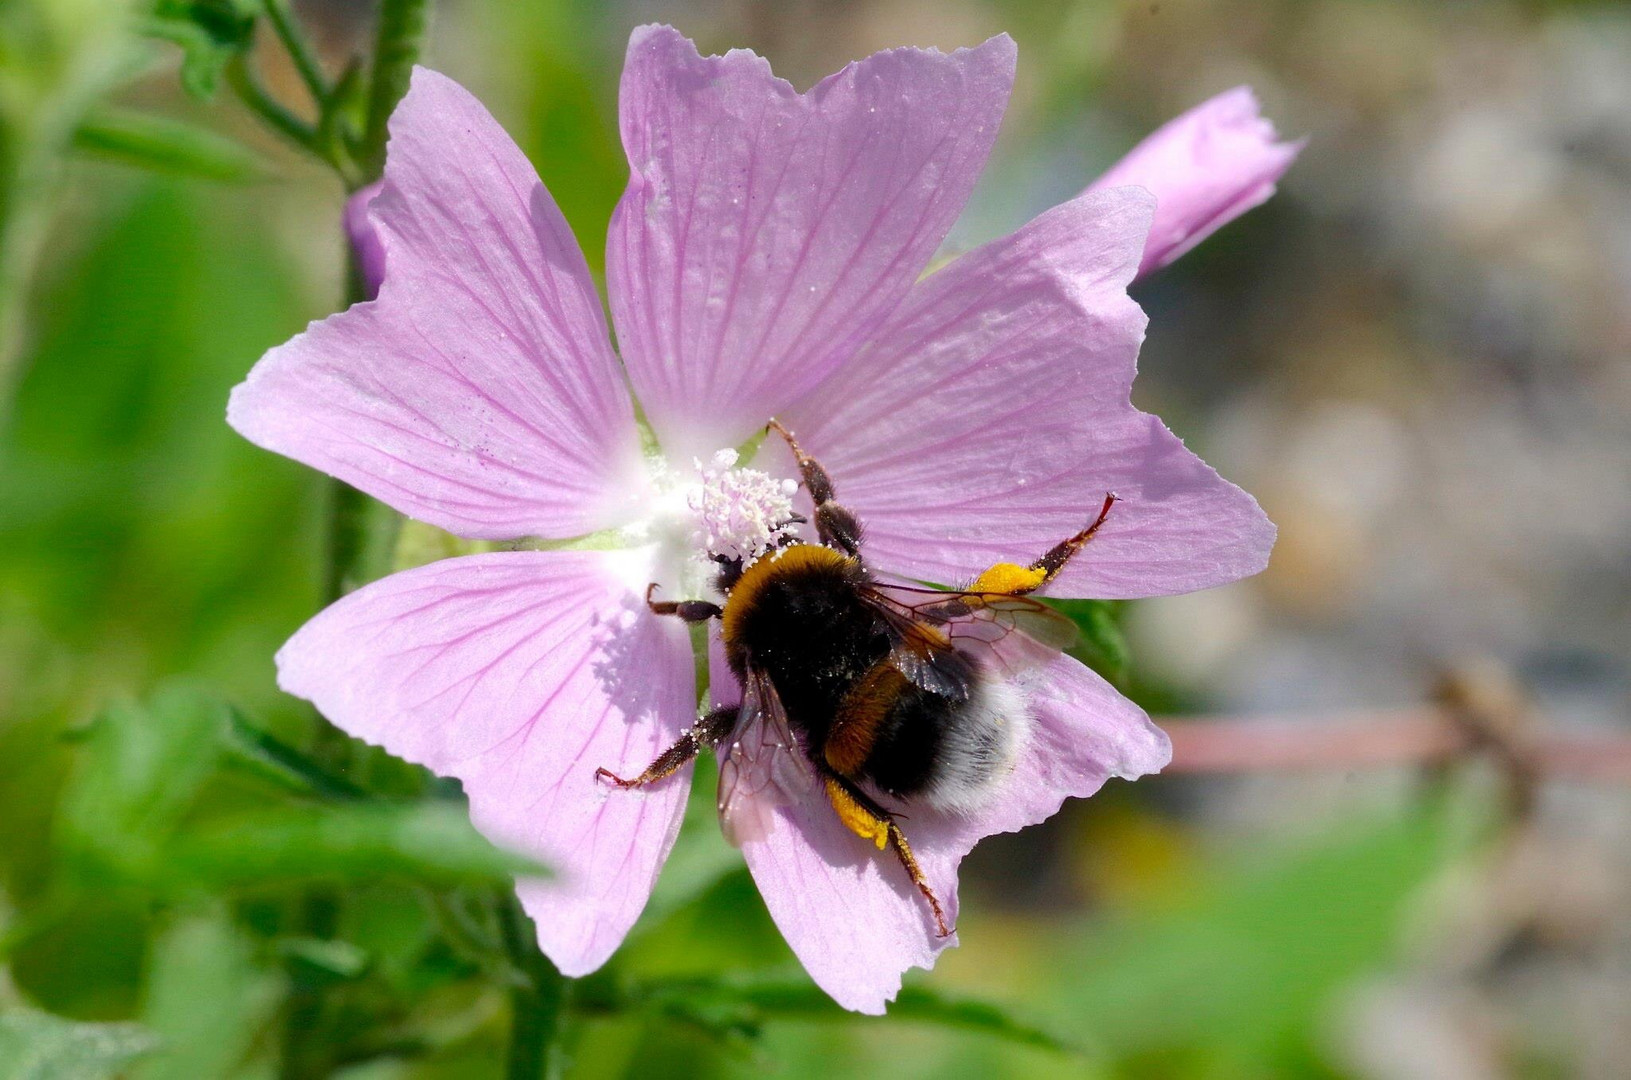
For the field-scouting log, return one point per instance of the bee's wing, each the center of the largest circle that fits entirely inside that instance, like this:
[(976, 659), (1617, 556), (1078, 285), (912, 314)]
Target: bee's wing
[(764, 766), (1017, 632)]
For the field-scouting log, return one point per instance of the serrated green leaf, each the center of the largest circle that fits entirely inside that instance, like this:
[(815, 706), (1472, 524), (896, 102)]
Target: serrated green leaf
[(209, 32), (164, 145), (39, 1046), (360, 842)]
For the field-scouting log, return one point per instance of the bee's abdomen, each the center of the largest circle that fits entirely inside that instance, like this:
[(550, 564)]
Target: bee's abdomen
[(907, 747), (922, 746)]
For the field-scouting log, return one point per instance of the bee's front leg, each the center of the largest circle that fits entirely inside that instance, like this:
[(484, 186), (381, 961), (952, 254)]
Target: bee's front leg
[(836, 526)]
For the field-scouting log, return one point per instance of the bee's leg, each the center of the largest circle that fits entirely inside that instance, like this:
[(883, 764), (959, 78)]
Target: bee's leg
[(835, 525), (691, 611), (1016, 580), (870, 822), (710, 730)]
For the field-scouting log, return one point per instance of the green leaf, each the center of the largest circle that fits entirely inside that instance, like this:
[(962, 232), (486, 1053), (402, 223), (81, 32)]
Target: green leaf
[(738, 1006), (209, 32), (139, 768), (39, 1046), (1247, 961), (205, 997), (265, 755), (164, 145), (360, 842), (1103, 646)]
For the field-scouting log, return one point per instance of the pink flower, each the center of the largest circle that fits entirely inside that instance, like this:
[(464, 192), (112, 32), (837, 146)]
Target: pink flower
[(764, 262)]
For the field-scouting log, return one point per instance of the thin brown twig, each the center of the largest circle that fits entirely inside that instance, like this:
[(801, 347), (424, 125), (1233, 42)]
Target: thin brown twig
[(1422, 736)]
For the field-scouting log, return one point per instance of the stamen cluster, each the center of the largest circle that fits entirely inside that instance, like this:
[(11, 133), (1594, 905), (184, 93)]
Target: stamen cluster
[(741, 513)]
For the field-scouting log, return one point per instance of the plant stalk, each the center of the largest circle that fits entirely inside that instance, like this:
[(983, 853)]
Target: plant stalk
[(537, 999), (396, 50)]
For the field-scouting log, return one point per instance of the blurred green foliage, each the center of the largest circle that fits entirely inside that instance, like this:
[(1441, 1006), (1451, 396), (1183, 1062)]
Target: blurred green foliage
[(195, 893)]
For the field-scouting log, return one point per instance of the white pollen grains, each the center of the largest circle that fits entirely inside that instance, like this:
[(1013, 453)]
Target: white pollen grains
[(741, 513), (709, 508)]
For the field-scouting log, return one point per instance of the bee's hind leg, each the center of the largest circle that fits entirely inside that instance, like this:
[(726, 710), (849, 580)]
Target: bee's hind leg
[(835, 525), (1014, 580), (709, 730), (870, 822)]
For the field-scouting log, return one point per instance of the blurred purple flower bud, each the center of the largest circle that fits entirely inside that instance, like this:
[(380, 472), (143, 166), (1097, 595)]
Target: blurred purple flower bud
[(1205, 168)]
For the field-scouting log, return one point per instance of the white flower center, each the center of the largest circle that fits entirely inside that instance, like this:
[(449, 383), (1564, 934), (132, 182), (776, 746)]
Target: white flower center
[(741, 513), (708, 509)]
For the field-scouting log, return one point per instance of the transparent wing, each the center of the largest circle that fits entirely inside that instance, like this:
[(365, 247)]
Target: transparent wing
[(763, 766), (933, 628)]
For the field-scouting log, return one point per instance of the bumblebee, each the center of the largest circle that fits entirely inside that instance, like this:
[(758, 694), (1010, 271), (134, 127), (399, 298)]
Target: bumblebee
[(878, 694)]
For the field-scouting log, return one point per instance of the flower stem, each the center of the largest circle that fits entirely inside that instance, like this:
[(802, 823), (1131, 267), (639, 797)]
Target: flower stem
[(300, 52), (396, 49), (275, 116), (537, 999)]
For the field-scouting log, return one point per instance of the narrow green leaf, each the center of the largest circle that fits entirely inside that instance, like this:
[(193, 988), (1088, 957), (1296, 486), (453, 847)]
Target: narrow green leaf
[(332, 958), (39, 1046), (743, 1005), (359, 842), (165, 145), (263, 754)]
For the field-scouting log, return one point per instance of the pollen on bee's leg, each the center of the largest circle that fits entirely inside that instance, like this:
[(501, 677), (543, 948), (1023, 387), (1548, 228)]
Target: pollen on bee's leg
[(1009, 578), (882, 831), (904, 851), (857, 818)]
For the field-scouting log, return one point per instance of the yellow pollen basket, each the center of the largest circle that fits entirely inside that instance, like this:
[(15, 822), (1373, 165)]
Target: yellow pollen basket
[(1008, 578), (857, 818)]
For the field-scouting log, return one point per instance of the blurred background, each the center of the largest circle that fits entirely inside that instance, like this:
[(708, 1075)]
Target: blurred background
[(1417, 356)]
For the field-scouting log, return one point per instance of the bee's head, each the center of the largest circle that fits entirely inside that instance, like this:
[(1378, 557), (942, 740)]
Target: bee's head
[(730, 572)]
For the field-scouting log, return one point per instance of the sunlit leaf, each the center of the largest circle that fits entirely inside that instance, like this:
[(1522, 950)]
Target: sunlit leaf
[(39, 1046), (206, 997)]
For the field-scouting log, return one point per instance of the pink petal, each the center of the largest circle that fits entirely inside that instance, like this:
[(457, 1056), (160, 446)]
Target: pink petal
[(520, 673), (479, 392), (765, 234), (366, 246), (850, 913), (1206, 168), (1083, 733), (990, 416)]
